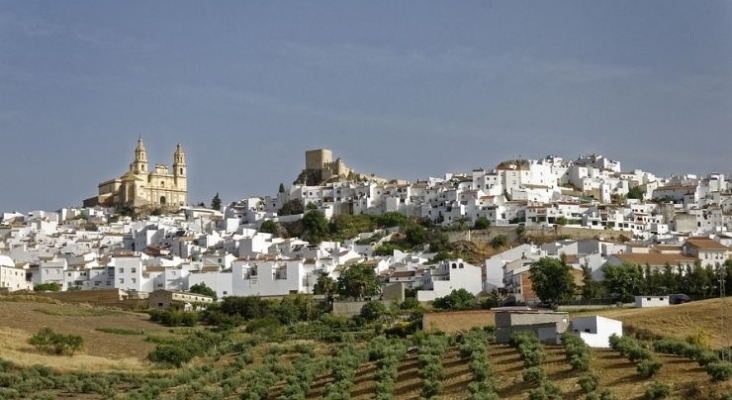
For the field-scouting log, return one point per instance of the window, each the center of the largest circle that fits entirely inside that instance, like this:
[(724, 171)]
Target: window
[(134, 280), (587, 330), (649, 299), (121, 280), (461, 265), (121, 270), (454, 266), (134, 270)]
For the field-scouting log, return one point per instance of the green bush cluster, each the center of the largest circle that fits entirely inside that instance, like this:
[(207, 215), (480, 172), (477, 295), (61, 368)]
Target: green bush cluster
[(431, 370), (174, 317), (529, 348), (632, 349), (588, 383), (474, 350), (305, 369), (343, 365), (548, 391), (179, 350), (717, 369), (47, 340), (577, 352), (387, 354), (656, 390)]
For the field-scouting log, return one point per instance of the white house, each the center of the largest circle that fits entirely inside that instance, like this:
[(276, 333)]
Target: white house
[(651, 301), (596, 330), (12, 278), (448, 276)]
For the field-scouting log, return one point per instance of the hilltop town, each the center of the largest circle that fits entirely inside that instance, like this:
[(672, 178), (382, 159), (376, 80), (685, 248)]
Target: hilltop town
[(139, 235)]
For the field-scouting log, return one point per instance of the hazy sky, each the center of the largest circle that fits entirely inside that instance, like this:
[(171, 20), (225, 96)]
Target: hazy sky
[(404, 89)]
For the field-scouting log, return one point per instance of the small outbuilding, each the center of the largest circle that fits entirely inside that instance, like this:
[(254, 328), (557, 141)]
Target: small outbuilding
[(651, 301), (596, 330), (548, 326), (170, 299)]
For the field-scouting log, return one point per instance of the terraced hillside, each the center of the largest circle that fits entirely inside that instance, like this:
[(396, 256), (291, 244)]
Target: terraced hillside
[(236, 365)]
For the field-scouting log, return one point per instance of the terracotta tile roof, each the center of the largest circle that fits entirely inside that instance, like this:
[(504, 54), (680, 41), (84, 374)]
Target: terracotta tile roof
[(655, 258), (402, 274), (705, 244)]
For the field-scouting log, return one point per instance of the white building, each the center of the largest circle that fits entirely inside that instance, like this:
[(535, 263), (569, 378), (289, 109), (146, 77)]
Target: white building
[(448, 276), (12, 278), (651, 301), (596, 330)]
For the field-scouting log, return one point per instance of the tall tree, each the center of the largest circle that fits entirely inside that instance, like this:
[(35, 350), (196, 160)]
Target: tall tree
[(315, 226), (459, 299), (623, 281), (359, 282), (216, 202), (269, 226), (635, 193), (292, 207), (482, 223), (325, 285), (552, 280), (591, 288), (202, 288)]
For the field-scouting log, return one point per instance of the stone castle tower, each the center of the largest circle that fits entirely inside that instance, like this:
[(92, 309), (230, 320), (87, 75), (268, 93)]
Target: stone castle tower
[(142, 187)]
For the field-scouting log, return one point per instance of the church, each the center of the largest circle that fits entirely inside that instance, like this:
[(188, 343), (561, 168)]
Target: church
[(142, 188)]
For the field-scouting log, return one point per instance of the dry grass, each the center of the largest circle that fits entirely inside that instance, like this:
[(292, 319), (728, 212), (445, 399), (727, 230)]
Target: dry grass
[(676, 321), (101, 350), (15, 347)]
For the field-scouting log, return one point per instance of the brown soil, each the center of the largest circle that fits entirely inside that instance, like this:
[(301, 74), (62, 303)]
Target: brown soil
[(21, 320)]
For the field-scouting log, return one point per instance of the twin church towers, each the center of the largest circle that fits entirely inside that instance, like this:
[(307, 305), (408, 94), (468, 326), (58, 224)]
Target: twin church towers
[(142, 187)]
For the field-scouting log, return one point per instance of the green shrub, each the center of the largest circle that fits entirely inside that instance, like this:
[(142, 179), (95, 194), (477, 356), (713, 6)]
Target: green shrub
[(170, 354), (589, 382), (648, 368), (581, 362), (538, 394), (8, 393), (49, 341), (707, 357), (592, 396), (656, 390), (534, 375), (607, 394), (719, 371)]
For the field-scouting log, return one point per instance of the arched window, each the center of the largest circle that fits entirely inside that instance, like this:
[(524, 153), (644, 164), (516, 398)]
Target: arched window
[(162, 200), (181, 171), (162, 183)]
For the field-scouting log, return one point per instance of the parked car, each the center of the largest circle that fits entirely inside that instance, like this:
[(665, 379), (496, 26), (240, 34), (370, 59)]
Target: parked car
[(678, 298)]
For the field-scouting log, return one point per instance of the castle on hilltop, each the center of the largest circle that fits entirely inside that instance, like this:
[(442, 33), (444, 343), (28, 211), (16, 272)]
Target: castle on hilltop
[(320, 168), (140, 187)]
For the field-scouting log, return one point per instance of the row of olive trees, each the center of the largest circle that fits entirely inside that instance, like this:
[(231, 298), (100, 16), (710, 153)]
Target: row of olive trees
[(474, 350), (637, 353), (387, 353), (343, 364), (431, 370)]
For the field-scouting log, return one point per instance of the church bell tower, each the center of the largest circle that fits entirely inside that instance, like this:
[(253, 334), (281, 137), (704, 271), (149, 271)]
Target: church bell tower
[(139, 166), (180, 168)]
